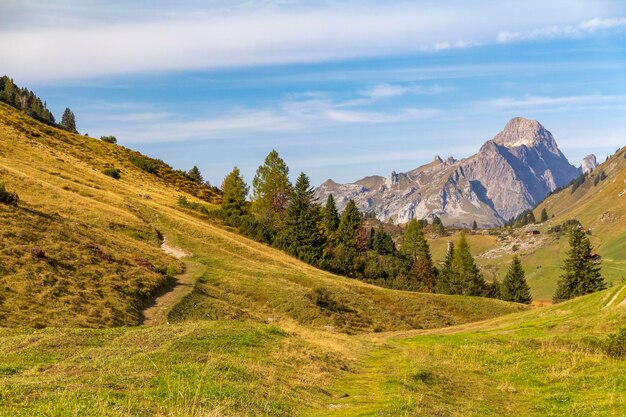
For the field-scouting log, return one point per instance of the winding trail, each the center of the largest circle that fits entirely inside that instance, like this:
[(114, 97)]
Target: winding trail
[(156, 312), (615, 298)]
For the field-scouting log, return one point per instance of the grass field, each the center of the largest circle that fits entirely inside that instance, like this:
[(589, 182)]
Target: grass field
[(81, 254)]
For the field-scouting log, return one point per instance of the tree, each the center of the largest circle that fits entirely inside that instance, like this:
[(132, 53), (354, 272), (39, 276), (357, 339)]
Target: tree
[(349, 225), (580, 274), (330, 216), (469, 279), (383, 243), (68, 121), (415, 246), (514, 286), (195, 175), (302, 236), (271, 186), (234, 192), (446, 275), (544, 215), (474, 225)]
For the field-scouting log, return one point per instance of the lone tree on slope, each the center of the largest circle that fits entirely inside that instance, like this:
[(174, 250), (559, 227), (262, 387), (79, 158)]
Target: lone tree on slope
[(581, 275), (514, 286), (68, 121)]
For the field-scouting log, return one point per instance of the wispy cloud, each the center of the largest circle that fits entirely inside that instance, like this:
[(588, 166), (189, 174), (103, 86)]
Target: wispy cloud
[(270, 33), (564, 31), (561, 103)]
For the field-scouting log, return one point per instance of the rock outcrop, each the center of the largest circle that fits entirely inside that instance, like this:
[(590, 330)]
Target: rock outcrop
[(588, 164), (511, 173)]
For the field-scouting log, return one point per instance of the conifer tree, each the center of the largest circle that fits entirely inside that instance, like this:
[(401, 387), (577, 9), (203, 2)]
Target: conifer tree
[(446, 276), (415, 246), (195, 175), (271, 186), (68, 121), (383, 243), (331, 215), (349, 225), (474, 225), (470, 280), (302, 236), (514, 286), (580, 274), (544, 215), (234, 192)]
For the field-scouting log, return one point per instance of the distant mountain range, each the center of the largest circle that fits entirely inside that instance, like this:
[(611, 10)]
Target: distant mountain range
[(509, 174)]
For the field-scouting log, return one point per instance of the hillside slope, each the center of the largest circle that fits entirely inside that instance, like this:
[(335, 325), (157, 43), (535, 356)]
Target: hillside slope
[(83, 249)]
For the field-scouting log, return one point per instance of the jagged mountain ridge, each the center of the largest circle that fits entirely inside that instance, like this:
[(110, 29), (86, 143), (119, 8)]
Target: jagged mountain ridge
[(510, 173)]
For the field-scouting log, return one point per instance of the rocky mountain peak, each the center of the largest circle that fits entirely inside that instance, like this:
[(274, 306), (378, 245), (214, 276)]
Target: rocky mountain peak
[(525, 132), (588, 164)]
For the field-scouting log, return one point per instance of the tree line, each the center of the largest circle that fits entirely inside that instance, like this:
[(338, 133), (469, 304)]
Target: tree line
[(25, 100), (288, 217)]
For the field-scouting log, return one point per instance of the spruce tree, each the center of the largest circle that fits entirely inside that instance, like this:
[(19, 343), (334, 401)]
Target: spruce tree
[(271, 186), (580, 274), (469, 279), (544, 215), (383, 243), (414, 243), (68, 121), (195, 175), (331, 216), (514, 286), (234, 192), (302, 236), (349, 225), (474, 225), (446, 275)]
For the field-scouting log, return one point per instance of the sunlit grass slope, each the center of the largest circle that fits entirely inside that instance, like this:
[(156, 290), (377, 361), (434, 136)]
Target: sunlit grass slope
[(83, 249), (542, 362)]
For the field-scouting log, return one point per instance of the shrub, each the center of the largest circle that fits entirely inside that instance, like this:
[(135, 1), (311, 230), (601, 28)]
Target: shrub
[(7, 197), (144, 163), (614, 345), (109, 139), (112, 172)]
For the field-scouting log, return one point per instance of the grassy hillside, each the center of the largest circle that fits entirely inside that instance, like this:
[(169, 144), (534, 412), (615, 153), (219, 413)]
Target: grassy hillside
[(543, 362), (82, 249)]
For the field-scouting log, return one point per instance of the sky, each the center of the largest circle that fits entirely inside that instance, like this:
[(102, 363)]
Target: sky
[(341, 90)]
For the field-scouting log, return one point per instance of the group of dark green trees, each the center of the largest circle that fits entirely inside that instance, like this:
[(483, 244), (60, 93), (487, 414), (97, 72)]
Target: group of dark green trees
[(25, 100), (288, 217)]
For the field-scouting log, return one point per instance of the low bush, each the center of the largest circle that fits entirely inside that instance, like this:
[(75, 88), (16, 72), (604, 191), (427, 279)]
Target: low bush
[(109, 139), (144, 163), (8, 197), (614, 345), (113, 173)]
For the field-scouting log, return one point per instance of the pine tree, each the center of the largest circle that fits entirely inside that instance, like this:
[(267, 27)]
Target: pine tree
[(446, 275), (349, 225), (234, 192), (195, 175), (383, 243), (469, 279), (544, 215), (302, 236), (514, 286), (271, 186), (474, 225), (331, 216), (68, 121), (580, 274), (415, 246)]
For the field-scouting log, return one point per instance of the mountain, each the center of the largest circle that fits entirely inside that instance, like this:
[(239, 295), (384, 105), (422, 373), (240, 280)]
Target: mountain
[(510, 173), (588, 164)]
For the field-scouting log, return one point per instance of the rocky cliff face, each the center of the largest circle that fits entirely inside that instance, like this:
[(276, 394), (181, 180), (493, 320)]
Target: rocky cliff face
[(588, 164), (510, 174)]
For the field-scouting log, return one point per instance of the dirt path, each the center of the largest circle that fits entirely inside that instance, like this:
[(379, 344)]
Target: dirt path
[(615, 298), (174, 251), (156, 313)]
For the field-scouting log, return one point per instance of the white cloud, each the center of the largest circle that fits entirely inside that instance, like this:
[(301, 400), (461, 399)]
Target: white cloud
[(564, 102), (563, 31), (269, 34)]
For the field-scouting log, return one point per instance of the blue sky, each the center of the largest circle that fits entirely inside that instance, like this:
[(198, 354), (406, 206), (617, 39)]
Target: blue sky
[(340, 89)]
